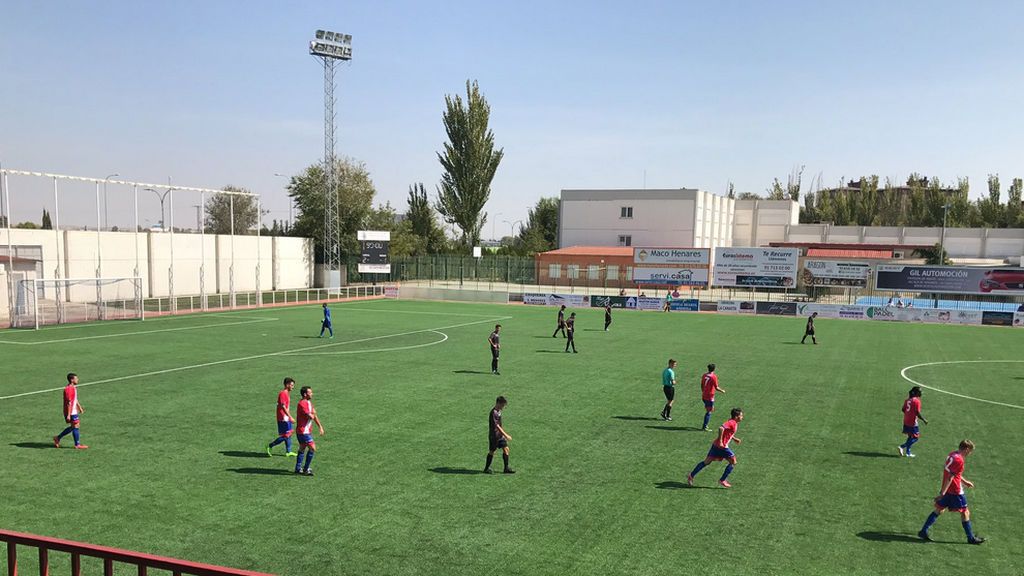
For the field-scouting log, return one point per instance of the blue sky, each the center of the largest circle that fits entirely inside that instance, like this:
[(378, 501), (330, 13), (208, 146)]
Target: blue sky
[(583, 94)]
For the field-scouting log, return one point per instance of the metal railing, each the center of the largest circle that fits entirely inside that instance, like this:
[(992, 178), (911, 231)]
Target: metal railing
[(194, 303), (109, 556)]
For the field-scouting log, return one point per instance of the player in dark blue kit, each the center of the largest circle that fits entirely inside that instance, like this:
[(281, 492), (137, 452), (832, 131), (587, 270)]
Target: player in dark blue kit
[(326, 324)]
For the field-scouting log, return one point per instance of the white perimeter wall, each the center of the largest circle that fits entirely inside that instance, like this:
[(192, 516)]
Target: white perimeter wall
[(960, 242)]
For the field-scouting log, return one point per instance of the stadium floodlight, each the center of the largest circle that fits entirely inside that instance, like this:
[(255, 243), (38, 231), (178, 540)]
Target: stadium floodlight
[(333, 45)]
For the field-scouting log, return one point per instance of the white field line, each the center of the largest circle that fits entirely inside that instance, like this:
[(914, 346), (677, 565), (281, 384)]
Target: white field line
[(137, 332), (903, 373), (253, 357), (444, 337)]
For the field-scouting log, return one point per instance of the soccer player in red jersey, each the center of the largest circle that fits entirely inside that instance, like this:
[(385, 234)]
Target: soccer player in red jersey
[(720, 449), (911, 414), (708, 387), (306, 417), (284, 420), (72, 410), (951, 494)]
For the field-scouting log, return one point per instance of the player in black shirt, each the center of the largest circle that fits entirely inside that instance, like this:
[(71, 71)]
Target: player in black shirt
[(809, 331), (497, 436), (570, 329), (607, 317), (495, 341), (561, 322)]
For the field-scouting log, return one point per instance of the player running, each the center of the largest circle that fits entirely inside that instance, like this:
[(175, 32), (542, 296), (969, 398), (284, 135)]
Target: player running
[(720, 449), (809, 330), (708, 387), (306, 417), (72, 412), (497, 436), (668, 386), (495, 341), (911, 414), (561, 322), (570, 330), (326, 323), (951, 495), (607, 317), (284, 420)]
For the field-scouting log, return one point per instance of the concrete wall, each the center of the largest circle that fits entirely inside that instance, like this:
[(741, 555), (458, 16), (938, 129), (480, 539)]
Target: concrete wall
[(994, 243), (758, 222), (283, 262)]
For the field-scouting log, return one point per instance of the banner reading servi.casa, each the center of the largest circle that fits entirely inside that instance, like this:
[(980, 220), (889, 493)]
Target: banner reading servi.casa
[(753, 267), (950, 279)]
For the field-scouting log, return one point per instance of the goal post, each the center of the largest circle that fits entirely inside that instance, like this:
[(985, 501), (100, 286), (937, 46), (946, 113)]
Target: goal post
[(45, 301)]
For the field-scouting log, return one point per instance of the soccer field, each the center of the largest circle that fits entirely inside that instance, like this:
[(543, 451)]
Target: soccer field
[(178, 412)]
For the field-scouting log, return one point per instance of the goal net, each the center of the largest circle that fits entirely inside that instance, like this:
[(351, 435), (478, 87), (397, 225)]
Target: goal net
[(43, 301)]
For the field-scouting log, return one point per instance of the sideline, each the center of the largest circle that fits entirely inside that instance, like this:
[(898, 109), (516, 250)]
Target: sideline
[(137, 332), (903, 373), (254, 357)]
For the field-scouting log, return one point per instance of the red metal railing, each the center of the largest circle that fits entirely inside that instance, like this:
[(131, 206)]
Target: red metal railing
[(109, 556)]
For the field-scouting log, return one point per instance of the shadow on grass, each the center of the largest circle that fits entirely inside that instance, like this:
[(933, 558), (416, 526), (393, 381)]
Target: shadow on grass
[(594, 330), (308, 337), (263, 471), (469, 372), (549, 337), (634, 418), (872, 454), (676, 485), (36, 445), (238, 454), (456, 471), (674, 428), (797, 344), (890, 537), (552, 351)]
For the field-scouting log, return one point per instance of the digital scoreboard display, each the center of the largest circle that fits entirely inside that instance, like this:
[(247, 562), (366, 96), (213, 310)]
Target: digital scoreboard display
[(374, 251)]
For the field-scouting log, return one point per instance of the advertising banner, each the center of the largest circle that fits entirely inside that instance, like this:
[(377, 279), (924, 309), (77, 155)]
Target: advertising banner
[(569, 300), (674, 276), (926, 315), (835, 273), (373, 246), (690, 257), (691, 305), (1018, 318), (843, 311), (391, 291), (647, 303), (950, 279), (752, 267), (613, 301), (997, 318), (736, 306), (776, 308)]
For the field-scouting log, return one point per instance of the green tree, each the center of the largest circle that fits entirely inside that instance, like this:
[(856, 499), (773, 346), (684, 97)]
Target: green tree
[(27, 225), (541, 231), (935, 255), (470, 161), (354, 192), (775, 191), (423, 223), (808, 214), (991, 208), (1014, 208), (47, 224), (220, 207), (749, 196)]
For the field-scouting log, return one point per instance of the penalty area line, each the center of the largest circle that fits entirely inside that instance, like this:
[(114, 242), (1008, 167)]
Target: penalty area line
[(138, 332), (252, 357), (903, 374), (444, 337)]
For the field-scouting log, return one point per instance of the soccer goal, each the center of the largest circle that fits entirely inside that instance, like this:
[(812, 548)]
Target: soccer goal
[(43, 301)]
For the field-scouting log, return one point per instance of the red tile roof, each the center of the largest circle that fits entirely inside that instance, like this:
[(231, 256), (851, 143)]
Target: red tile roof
[(837, 253), (592, 251)]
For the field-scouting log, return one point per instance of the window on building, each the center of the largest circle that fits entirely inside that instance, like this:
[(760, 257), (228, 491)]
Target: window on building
[(626, 212), (629, 273), (613, 272), (572, 271), (625, 240), (554, 270), (593, 272)]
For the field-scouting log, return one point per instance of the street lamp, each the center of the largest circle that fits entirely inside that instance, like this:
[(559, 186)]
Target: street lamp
[(161, 197), (942, 239), (106, 220), (291, 203), (493, 222)]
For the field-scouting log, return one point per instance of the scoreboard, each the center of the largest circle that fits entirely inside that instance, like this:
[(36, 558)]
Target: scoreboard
[(374, 251)]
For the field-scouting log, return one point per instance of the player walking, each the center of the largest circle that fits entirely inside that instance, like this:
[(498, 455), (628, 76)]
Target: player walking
[(284, 420), (708, 387), (951, 495), (809, 330), (497, 436), (495, 341), (668, 386), (306, 417), (607, 317), (561, 322), (720, 449), (326, 324), (72, 411), (911, 414), (570, 330)]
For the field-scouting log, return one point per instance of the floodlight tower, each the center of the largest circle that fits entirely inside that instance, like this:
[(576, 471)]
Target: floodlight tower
[(331, 47)]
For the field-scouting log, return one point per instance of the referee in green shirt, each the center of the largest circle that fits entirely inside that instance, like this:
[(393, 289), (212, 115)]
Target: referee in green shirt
[(668, 383)]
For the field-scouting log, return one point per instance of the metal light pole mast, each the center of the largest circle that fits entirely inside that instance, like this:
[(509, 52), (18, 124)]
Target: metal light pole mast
[(329, 48)]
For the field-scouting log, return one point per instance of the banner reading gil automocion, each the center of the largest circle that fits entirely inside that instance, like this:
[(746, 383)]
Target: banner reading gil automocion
[(950, 279), (768, 267), (835, 273)]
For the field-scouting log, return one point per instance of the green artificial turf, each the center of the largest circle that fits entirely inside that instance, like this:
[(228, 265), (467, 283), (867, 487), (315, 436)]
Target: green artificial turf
[(177, 464)]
